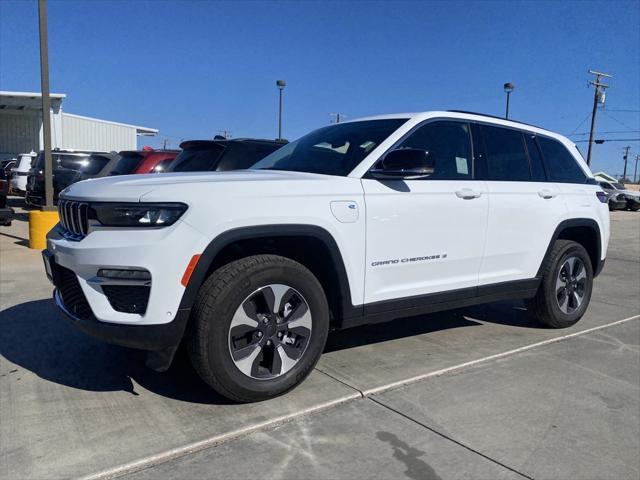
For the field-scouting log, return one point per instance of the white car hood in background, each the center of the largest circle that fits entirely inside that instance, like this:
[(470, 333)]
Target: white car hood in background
[(629, 193), (172, 186)]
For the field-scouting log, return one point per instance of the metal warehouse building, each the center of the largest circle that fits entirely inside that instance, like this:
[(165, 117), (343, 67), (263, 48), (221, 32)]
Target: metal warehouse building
[(21, 127)]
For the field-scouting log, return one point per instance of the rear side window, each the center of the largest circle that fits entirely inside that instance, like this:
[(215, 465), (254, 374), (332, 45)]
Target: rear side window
[(560, 164), (450, 146), (506, 157), (535, 159)]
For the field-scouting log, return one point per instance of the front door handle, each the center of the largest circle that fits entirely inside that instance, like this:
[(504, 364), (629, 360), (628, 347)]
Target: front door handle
[(546, 194), (468, 194)]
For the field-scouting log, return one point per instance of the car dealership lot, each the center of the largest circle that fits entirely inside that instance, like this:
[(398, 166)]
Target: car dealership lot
[(480, 402)]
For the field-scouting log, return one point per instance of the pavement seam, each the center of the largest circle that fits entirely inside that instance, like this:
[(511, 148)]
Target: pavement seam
[(446, 437), (194, 447), (455, 368), (362, 395), (177, 452)]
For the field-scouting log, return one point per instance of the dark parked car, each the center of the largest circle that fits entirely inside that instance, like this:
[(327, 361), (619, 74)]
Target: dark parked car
[(143, 161), (69, 166), (5, 168), (6, 214), (222, 154)]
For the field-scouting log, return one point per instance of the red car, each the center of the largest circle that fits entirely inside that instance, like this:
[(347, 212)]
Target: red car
[(143, 161)]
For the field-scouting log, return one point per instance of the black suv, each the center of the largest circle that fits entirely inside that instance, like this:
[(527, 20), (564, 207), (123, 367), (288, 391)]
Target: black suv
[(221, 154), (69, 166)]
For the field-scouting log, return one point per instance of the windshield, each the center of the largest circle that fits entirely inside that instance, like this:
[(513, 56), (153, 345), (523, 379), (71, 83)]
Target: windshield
[(619, 186), (333, 150)]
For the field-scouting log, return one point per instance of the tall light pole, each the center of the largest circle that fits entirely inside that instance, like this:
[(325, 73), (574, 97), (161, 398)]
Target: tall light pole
[(598, 96), (280, 84), (635, 170), (508, 88), (46, 106), (625, 157)]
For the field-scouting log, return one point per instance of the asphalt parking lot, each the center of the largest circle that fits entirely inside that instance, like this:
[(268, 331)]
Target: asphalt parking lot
[(477, 393)]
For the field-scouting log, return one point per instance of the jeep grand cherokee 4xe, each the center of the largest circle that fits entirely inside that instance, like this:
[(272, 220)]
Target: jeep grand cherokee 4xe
[(354, 223)]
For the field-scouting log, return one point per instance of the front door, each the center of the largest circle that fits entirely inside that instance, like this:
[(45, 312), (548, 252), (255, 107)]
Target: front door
[(427, 235)]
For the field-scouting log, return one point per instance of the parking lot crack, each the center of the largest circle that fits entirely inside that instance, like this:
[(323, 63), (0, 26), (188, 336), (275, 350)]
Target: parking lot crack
[(446, 437), (342, 382)]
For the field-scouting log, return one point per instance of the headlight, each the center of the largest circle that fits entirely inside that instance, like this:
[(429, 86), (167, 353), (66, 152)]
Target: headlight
[(137, 214)]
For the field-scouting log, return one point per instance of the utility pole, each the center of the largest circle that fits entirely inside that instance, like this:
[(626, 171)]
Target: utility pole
[(626, 157), (164, 144), (597, 95), (46, 106), (635, 170)]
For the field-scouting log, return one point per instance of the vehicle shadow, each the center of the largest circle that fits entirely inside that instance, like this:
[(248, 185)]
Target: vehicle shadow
[(35, 336), (512, 313), (24, 242)]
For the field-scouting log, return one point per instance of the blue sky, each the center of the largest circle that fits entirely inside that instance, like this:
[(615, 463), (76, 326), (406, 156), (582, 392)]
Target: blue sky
[(193, 68)]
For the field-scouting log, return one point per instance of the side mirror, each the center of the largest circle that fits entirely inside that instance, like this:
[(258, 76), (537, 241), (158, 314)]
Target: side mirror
[(409, 163)]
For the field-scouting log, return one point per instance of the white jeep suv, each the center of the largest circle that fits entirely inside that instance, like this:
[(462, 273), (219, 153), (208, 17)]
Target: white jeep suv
[(354, 223)]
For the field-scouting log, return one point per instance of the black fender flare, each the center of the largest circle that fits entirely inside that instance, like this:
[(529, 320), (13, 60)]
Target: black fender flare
[(262, 231), (598, 264)]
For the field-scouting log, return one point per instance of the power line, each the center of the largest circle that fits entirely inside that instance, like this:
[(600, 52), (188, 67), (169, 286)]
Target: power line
[(602, 140), (614, 118), (618, 131), (579, 125)]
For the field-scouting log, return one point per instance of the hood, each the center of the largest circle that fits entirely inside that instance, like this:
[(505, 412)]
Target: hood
[(131, 188)]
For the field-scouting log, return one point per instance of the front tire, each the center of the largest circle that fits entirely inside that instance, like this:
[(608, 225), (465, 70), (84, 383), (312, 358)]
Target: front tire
[(566, 286), (258, 328)]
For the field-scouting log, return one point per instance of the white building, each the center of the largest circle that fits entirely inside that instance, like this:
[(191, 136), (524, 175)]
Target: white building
[(21, 127)]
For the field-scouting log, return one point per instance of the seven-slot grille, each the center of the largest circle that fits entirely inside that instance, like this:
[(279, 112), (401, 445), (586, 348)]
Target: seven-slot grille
[(73, 217)]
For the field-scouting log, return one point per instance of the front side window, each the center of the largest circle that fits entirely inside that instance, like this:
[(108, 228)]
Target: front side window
[(560, 164), (334, 150), (535, 158), (449, 145), (506, 157)]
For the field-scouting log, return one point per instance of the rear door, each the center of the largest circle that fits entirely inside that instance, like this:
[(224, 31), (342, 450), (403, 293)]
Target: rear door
[(524, 207)]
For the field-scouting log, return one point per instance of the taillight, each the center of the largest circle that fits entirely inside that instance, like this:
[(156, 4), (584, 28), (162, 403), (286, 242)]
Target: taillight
[(601, 196)]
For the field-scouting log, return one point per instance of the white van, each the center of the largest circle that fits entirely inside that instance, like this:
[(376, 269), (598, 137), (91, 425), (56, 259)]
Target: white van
[(19, 173)]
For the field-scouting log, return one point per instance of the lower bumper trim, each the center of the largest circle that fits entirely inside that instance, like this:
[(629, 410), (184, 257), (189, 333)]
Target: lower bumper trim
[(152, 338)]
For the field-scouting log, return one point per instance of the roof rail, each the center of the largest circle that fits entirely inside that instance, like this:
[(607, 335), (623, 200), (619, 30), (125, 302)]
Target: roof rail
[(493, 116)]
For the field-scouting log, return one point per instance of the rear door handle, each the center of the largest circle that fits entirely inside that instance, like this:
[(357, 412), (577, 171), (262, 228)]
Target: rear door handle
[(468, 194), (546, 194)]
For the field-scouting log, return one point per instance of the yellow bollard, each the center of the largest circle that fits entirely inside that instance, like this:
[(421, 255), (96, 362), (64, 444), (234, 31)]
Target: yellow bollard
[(39, 225)]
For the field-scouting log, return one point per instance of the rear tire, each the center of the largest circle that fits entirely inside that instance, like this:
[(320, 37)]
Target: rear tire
[(267, 305), (565, 288)]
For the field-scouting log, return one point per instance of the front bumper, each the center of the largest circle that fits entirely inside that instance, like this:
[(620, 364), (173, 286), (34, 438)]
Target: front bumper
[(164, 253)]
